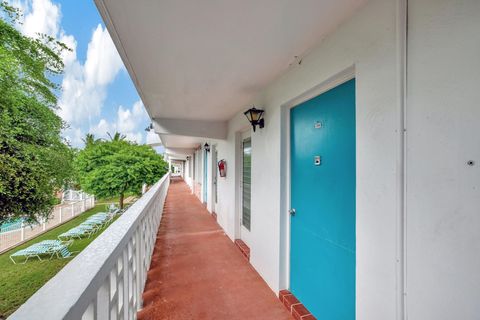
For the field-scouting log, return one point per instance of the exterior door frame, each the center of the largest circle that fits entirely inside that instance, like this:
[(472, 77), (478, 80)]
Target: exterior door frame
[(214, 178), (205, 177), (239, 137), (285, 178)]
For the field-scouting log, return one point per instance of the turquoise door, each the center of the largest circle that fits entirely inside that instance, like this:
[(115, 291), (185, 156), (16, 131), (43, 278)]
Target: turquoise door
[(322, 265)]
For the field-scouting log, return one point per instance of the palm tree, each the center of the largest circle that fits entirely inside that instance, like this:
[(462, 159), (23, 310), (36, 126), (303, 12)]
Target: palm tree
[(90, 140), (117, 136)]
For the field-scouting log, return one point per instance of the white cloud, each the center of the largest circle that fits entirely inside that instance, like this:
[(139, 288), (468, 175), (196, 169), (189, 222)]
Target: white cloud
[(40, 16), (69, 56), (128, 122), (43, 17), (135, 137), (103, 62), (152, 137), (84, 87), (74, 136), (101, 129)]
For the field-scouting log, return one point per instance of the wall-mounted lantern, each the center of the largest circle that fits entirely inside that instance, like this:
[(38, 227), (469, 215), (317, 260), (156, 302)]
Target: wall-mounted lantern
[(149, 128), (188, 158), (255, 116), (206, 146)]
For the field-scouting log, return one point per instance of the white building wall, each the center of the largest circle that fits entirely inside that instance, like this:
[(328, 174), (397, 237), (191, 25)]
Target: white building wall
[(198, 173), (188, 173), (443, 200), (228, 187), (443, 191), (368, 42), (209, 186)]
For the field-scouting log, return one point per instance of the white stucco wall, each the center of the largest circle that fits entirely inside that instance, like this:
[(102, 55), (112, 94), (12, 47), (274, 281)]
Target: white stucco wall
[(443, 192), (368, 42), (226, 208), (443, 197), (186, 175)]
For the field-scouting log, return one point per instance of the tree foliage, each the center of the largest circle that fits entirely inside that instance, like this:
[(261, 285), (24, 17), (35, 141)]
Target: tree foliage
[(113, 168), (90, 139), (117, 136), (34, 160)]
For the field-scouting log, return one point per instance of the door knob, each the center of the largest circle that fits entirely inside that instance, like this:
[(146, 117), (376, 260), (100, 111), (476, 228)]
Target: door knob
[(292, 212)]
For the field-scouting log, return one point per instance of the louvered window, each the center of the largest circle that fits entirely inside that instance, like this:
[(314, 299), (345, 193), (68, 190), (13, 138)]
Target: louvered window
[(246, 182)]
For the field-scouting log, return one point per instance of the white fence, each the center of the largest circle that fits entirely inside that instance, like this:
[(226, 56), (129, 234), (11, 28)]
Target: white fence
[(106, 280), (74, 195), (21, 232)]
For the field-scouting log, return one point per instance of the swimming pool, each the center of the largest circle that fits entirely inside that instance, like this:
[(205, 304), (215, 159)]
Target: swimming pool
[(11, 225)]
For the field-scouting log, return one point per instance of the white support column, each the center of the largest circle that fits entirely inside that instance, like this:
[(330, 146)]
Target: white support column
[(60, 213), (73, 210)]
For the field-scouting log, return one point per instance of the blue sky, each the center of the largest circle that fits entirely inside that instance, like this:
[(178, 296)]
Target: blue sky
[(97, 93)]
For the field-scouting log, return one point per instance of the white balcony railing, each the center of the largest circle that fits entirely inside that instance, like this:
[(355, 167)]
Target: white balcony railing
[(106, 280)]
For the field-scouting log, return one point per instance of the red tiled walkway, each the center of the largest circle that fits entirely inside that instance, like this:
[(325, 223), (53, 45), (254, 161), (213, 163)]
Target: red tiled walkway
[(198, 273)]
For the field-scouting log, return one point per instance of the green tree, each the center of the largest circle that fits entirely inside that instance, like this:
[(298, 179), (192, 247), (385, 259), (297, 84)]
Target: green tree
[(90, 139), (34, 160), (117, 136), (116, 167)]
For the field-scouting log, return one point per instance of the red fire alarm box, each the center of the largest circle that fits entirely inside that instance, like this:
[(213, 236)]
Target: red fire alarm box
[(222, 168)]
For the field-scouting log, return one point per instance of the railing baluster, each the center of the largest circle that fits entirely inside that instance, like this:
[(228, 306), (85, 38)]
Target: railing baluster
[(111, 270), (89, 314), (103, 304)]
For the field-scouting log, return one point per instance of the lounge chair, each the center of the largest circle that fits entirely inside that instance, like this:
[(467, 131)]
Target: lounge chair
[(61, 250), (112, 207), (34, 251), (103, 218), (79, 232), (46, 247)]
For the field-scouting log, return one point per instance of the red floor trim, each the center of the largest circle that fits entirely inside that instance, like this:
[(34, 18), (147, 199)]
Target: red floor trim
[(244, 249), (294, 306), (214, 215)]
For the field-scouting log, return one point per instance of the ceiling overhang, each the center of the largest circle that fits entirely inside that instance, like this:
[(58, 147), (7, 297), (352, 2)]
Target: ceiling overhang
[(181, 142), (176, 157), (180, 151), (191, 128), (204, 61)]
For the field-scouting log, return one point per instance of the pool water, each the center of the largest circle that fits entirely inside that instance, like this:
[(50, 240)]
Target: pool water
[(11, 225)]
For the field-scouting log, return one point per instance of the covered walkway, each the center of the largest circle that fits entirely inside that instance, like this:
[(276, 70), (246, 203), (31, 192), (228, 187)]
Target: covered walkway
[(198, 273)]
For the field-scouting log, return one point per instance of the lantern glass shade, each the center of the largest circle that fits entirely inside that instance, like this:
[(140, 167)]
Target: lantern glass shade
[(248, 115), (255, 115)]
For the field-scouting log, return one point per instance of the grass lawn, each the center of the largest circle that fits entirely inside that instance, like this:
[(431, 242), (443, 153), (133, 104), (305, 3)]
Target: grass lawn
[(18, 282), (116, 200)]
